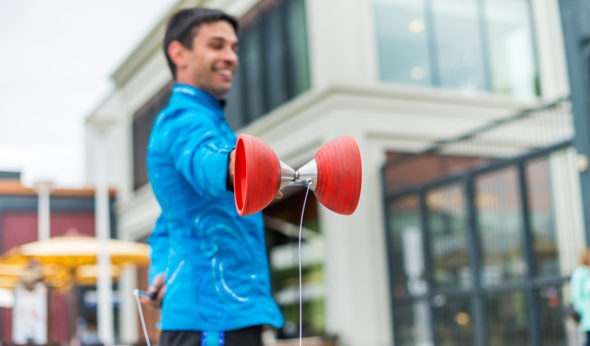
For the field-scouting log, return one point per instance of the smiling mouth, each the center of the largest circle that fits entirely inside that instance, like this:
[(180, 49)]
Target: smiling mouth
[(226, 73)]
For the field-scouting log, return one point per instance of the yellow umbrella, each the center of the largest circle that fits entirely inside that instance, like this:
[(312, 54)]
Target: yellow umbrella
[(72, 253), (75, 251), (88, 275), (56, 276), (9, 282), (12, 274)]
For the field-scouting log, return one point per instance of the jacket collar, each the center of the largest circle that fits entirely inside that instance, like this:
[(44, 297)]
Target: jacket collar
[(197, 95)]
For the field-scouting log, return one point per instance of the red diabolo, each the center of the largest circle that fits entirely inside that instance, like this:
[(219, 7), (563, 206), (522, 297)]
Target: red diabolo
[(339, 175), (257, 174), (334, 175)]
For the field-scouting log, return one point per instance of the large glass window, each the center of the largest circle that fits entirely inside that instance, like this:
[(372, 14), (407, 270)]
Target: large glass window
[(510, 45), (542, 218), (402, 41), (507, 319), (297, 45), (252, 83), (275, 56), (412, 323), (473, 258), (234, 113), (448, 234), (274, 61), (458, 44), (405, 241), (549, 300), (468, 45), (500, 225), (453, 321)]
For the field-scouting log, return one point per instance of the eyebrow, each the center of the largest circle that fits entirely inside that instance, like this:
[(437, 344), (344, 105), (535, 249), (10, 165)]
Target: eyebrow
[(235, 44), (219, 38)]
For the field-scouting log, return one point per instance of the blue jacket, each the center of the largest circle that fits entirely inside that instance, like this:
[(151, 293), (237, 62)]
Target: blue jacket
[(217, 275)]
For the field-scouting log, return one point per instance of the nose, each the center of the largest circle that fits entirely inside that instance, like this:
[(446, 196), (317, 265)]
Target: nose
[(230, 56)]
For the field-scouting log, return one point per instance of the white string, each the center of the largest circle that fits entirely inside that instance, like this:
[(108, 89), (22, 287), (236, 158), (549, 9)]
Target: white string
[(136, 294), (300, 290)]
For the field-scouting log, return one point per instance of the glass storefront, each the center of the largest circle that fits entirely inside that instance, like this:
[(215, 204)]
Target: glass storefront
[(474, 258), (448, 236), (499, 217), (506, 319), (453, 319)]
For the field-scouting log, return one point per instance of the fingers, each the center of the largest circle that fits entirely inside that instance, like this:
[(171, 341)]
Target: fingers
[(160, 297), (157, 289), (145, 301), (231, 168), (279, 194)]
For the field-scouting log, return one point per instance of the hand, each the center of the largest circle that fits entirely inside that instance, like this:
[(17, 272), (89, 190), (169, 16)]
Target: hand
[(231, 163), (158, 288)]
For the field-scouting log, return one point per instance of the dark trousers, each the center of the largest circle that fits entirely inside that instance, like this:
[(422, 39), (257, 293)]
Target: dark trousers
[(587, 338), (249, 336)]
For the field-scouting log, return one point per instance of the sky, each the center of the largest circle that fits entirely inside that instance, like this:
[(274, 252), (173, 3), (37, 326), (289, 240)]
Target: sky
[(56, 58)]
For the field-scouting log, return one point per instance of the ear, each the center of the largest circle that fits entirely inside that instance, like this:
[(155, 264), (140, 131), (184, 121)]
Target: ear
[(176, 51)]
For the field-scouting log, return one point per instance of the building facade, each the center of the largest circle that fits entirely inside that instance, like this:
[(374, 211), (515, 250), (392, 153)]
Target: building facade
[(70, 211), (469, 214)]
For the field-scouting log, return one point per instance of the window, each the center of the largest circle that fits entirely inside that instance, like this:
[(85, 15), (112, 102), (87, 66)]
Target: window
[(474, 258), (511, 55), (498, 204), (274, 62), (405, 241), (507, 319), (467, 45), (542, 218), (453, 321), (449, 237), (458, 45), (404, 54)]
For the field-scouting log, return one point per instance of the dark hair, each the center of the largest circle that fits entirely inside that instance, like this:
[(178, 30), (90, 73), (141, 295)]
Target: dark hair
[(184, 25)]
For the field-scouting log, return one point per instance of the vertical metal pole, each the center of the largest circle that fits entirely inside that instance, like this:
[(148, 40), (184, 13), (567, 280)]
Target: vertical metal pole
[(105, 293), (426, 246), (576, 32), (475, 255), (528, 241)]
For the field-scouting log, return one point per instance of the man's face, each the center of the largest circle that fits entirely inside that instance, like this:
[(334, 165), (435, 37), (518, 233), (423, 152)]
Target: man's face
[(212, 61)]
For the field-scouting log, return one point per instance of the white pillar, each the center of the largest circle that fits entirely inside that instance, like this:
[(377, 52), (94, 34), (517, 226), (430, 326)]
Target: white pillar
[(127, 308), (43, 228), (102, 221)]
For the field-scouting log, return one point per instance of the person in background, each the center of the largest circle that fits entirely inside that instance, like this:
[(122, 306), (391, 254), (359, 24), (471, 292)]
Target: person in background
[(580, 290), (209, 270)]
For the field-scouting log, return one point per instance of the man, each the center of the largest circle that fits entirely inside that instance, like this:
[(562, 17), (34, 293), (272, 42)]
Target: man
[(209, 269)]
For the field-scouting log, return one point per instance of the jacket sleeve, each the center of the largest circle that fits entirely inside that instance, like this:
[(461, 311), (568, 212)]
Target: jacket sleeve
[(158, 242), (198, 152)]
